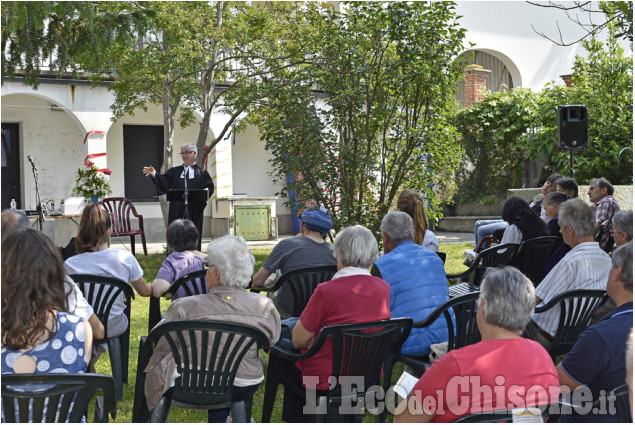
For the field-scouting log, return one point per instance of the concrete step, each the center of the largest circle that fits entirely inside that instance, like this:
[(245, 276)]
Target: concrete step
[(462, 223)]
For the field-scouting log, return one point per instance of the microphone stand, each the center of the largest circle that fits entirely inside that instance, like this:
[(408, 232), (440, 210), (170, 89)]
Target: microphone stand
[(40, 212)]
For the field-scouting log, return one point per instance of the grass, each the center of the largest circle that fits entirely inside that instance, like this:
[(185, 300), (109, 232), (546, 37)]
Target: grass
[(139, 327)]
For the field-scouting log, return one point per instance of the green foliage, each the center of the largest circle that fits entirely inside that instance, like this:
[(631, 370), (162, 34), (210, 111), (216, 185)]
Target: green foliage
[(66, 34), (506, 130), (383, 123), (494, 135)]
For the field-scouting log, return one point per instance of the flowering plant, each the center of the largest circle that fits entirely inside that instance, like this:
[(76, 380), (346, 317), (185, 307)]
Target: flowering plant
[(92, 182)]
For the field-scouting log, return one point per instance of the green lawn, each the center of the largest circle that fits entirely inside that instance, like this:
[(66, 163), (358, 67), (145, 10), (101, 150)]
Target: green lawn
[(139, 327)]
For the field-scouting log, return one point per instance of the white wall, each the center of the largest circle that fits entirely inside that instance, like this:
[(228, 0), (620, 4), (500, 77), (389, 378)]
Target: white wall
[(53, 139), (505, 27), (250, 164)]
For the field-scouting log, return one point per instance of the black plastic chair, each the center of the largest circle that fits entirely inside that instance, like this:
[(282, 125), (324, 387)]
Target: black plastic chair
[(617, 398), (101, 293), (302, 283), (532, 256), (192, 283), (501, 416), (463, 311), (359, 351), (222, 344), (65, 396), (576, 311), (498, 256)]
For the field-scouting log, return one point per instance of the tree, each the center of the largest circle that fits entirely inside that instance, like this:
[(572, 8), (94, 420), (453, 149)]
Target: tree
[(592, 18), (68, 34), (370, 114)]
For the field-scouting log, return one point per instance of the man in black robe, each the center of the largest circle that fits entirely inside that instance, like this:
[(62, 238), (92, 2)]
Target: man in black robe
[(174, 178)]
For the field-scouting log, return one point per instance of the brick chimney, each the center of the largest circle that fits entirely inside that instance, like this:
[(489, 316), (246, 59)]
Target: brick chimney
[(475, 84), (568, 79)]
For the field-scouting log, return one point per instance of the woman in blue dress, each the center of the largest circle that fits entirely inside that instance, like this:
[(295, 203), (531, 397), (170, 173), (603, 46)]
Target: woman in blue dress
[(38, 334)]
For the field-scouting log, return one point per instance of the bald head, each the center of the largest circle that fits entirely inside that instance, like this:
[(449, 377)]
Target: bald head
[(13, 220)]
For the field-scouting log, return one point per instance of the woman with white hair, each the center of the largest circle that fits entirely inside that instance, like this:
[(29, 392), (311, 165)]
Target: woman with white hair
[(229, 267), (502, 371), (352, 296), (187, 176)]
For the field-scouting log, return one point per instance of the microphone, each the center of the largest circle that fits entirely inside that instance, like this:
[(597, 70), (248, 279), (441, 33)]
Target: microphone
[(30, 158)]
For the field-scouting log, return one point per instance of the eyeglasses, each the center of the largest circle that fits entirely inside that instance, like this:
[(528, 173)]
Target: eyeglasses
[(186, 153), (614, 231), (206, 266)]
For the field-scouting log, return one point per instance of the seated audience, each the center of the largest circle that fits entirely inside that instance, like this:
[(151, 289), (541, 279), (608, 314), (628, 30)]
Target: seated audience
[(622, 229), (183, 257), (229, 267), (77, 304), (551, 205), (524, 223), (308, 250), (601, 195), (96, 257), (597, 360), (461, 382), (417, 281), (484, 228), (353, 296), (586, 266), (566, 185), (411, 203), (38, 333)]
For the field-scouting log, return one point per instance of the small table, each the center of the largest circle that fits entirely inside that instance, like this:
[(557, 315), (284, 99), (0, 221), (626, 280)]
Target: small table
[(66, 227)]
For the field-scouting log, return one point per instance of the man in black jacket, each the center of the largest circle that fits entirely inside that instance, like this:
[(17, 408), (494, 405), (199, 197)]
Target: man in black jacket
[(176, 178)]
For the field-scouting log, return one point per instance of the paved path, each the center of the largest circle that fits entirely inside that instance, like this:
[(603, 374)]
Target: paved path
[(159, 247)]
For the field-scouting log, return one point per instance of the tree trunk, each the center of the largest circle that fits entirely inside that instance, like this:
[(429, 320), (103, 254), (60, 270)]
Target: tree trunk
[(208, 85)]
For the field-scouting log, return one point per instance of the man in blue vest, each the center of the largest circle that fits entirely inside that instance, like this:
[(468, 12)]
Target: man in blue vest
[(417, 280)]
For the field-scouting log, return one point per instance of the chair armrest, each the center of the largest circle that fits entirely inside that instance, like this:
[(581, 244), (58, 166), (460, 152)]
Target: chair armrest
[(467, 272)]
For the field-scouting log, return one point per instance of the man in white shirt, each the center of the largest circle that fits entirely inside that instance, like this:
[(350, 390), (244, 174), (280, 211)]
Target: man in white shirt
[(586, 266)]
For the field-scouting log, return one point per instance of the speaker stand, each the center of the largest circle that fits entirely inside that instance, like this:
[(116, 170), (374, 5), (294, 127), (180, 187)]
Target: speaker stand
[(571, 172)]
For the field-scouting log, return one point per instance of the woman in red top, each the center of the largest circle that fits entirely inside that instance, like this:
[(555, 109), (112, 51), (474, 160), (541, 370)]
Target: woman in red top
[(502, 371)]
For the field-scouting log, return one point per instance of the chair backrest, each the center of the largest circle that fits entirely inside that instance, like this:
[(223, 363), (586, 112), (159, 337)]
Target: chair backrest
[(101, 293), (208, 366), (463, 310), (120, 210), (193, 283), (502, 416), (64, 397), (497, 256), (533, 254), (576, 311), (302, 283), (360, 349), (617, 398)]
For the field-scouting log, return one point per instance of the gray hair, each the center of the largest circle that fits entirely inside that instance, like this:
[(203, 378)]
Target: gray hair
[(190, 147), (604, 184), (356, 246), (231, 256), (623, 219), (398, 227), (13, 220), (509, 298), (577, 214), (623, 256)]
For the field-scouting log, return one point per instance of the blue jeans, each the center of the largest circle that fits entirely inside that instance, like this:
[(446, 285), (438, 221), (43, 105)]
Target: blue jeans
[(484, 228)]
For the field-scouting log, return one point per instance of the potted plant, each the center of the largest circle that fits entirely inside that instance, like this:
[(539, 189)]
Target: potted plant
[(92, 183)]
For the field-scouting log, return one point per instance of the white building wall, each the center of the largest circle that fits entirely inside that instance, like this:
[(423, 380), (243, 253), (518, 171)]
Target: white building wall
[(53, 139)]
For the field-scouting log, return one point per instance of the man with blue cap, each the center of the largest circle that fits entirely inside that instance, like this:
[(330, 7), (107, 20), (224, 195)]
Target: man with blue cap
[(308, 249)]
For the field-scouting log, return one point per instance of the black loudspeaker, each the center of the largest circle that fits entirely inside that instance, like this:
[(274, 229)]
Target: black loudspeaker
[(573, 127)]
